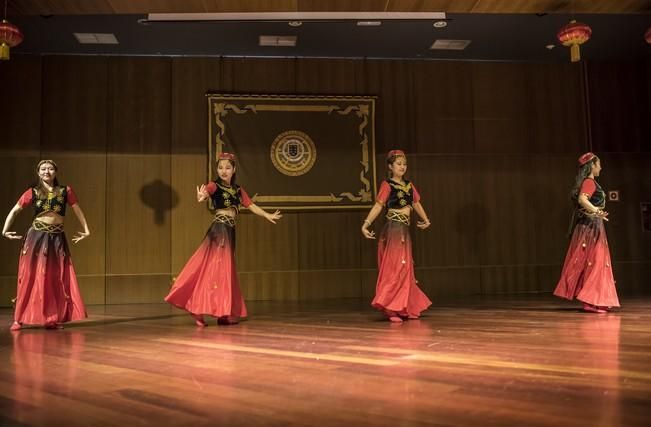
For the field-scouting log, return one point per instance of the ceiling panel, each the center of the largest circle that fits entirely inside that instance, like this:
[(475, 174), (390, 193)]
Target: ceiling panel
[(493, 37)]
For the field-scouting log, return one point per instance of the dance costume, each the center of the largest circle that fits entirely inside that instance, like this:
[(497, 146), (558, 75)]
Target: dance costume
[(208, 283), (47, 292), (397, 289), (587, 273)]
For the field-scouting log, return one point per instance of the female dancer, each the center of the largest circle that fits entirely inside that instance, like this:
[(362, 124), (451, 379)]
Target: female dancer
[(48, 293), (587, 273), (397, 293), (208, 283)]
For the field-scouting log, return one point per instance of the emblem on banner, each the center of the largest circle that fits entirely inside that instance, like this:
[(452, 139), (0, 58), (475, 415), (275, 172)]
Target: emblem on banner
[(293, 153)]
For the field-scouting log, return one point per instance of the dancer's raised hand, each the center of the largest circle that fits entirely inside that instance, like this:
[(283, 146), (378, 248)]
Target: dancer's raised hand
[(202, 193), (273, 217)]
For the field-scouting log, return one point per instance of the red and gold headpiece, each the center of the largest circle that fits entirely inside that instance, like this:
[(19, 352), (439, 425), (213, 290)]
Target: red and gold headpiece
[(225, 156), (585, 158), (395, 153)]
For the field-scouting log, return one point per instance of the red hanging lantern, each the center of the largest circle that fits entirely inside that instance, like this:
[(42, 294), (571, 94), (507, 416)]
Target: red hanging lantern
[(573, 35), (10, 36), (647, 35)]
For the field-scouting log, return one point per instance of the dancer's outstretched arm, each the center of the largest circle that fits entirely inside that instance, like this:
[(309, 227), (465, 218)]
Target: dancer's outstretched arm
[(271, 217), (424, 222), (372, 215), (9, 221), (82, 220)]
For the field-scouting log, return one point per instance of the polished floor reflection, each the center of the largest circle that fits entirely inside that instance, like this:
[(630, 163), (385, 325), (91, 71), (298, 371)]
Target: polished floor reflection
[(534, 361)]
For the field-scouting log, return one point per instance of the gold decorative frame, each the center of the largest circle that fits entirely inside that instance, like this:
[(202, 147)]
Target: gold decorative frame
[(363, 107)]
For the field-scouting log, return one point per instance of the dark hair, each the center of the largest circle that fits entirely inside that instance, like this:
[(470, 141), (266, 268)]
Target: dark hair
[(38, 184), (582, 174), (233, 178), (392, 158)]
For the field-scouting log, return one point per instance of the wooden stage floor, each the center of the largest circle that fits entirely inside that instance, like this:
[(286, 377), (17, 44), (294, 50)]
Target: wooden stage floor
[(525, 361)]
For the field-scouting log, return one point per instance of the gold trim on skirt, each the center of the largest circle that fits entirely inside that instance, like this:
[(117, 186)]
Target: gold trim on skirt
[(48, 228), (398, 217), (224, 219)]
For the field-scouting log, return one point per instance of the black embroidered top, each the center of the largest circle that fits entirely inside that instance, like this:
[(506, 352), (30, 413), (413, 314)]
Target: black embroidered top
[(53, 201), (596, 195), (224, 196), (396, 196)]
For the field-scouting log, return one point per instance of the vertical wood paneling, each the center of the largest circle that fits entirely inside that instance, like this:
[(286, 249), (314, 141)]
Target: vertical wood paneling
[(443, 282), (325, 284), (492, 148), (266, 249), (393, 83), (620, 106), (20, 109), (263, 247), (329, 76), (499, 107), (506, 191), (549, 206), (632, 177), (329, 255), (20, 119), (450, 194), (254, 75), (139, 195), (191, 79), (443, 99), (555, 109), (328, 261), (270, 285), (74, 135)]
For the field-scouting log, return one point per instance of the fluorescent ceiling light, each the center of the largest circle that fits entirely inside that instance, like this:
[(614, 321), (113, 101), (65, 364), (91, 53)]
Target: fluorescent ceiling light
[(369, 23), (296, 16)]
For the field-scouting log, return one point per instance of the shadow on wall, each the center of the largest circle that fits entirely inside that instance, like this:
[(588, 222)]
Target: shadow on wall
[(160, 197)]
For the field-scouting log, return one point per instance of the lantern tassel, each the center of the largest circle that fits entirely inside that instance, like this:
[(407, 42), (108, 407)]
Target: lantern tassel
[(4, 52), (575, 53)]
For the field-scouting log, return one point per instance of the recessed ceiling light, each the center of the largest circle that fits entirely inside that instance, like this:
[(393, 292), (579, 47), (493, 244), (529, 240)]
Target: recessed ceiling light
[(447, 44), (550, 46), (295, 23), (278, 41), (86, 38), (440, 24), (103, 38), (96, 38), (369, 23)]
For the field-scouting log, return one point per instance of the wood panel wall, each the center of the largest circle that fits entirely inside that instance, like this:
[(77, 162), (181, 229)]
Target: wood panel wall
[(492, 148)]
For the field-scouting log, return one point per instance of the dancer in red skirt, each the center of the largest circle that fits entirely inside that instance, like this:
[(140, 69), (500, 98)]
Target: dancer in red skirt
[(397, 293), (208, 283), (48, 293), (587, 272)]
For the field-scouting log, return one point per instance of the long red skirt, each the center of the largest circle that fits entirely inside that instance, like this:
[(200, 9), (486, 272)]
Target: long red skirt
[(397, 289), (48, 291), (208, 283), (587, 273)]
